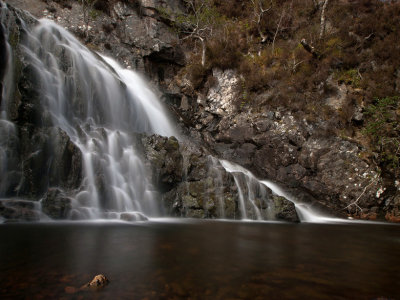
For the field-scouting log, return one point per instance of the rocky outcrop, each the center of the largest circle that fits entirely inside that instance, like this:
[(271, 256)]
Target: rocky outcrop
[(164, 160), (194, 184), (55, 204), (283, 146), (136, 33)]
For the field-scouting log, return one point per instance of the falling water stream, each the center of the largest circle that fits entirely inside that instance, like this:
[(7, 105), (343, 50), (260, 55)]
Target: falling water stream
[(244, 178), (99, 104)]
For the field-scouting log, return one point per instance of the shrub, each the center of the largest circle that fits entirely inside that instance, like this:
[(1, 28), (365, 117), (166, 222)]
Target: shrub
[(197, 75), (383, 130), (225, 49)]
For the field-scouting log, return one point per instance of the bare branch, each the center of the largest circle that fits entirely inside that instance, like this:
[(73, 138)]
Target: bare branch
[(277, 30), (259, 12), (199, 23), (355, 202)]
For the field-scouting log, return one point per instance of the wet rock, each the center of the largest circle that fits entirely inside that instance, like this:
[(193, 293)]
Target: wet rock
[(99, 281), (133, 217), (164, 159), (284, 209), (66, 165), (285, 148), (19, 210), (56, 204)]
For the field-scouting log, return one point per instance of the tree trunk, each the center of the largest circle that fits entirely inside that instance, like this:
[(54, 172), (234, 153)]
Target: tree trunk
[(323, 20), (203, 52)]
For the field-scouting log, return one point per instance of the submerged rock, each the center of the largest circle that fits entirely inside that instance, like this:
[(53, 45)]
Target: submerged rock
[(98, 282)]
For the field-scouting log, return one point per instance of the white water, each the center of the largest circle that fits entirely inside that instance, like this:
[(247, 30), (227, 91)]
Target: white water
[(305, 212), (99, 105), (8, 132), (254, 204)]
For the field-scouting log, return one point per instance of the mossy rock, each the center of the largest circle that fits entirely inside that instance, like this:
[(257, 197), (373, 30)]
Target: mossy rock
[(284, 209)]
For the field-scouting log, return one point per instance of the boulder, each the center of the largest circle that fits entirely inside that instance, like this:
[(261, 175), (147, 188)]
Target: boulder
[(19, 210), (56, 204), (284, 209), (164, 159)]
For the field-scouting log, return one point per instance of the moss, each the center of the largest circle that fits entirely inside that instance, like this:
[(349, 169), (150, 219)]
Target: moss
[(172, 144), (382, 128)]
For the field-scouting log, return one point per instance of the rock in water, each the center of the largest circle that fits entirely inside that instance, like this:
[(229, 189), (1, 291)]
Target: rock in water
[(99, 281)]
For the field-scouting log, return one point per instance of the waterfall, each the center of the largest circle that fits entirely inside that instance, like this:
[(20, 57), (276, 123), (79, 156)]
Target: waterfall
[(251, 194), (245, 179), (8, 132), (100, 106)]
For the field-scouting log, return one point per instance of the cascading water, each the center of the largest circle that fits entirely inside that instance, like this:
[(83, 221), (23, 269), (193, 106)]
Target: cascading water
[(244, 178), (253, 201), (98, 105), (8, 159)]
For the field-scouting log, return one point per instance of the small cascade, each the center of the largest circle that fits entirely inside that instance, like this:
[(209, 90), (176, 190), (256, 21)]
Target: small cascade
[(244, 179), (254, 203)]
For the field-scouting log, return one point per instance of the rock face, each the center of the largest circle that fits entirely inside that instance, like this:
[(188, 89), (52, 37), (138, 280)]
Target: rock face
[(283, 146), (222, 94), (164, 159), (136, 33)]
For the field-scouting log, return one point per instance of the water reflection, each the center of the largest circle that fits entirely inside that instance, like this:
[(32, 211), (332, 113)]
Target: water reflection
[(201, 260)]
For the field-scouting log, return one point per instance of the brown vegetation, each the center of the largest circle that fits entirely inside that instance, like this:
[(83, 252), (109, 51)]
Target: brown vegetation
[(359, 49)]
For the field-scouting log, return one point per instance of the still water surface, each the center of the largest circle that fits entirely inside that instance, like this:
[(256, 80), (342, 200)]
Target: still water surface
[(201, 260)]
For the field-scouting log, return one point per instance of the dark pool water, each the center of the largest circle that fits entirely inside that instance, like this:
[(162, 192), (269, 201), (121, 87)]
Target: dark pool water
[(201, 260)]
